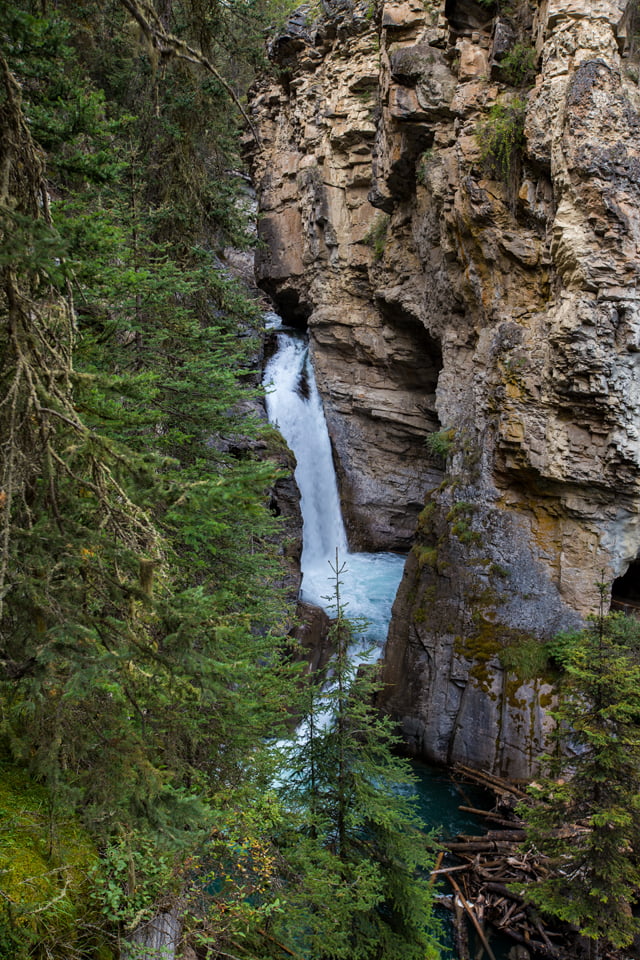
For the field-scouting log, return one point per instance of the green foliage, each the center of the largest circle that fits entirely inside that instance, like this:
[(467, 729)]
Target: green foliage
[(351, 799), (140, 672), (376, 238), (528, 659), (460, 516), (519, 65), (585, 818), (141, 669), (563, 647), (46, 859), (426, 556), (441, 442), (501, 138), (132, 877)]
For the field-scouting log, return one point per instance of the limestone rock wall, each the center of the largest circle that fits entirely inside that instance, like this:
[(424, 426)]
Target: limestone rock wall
[(492, 307), (376, 363)]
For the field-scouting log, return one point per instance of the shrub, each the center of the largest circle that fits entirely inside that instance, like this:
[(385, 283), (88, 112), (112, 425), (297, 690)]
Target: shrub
[(376, 238), (501, 138), (528, 658), (440, 443), (519, 65)]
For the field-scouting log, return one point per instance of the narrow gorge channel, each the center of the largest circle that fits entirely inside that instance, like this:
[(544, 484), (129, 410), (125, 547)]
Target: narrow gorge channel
[(369, 581)]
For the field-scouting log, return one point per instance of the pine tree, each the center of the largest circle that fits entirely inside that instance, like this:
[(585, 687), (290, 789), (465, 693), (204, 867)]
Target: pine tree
[(139, 652), (586, 814), (356, 851)]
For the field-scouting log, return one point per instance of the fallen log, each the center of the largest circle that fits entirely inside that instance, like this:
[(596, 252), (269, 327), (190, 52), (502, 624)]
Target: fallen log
[(488, 865), (481, 846), (474, 920), (460, 930), (516, 835), (436, 866), (502, 891), (543, 934), (497, 784), (488, 815), (507, 918), (535, 946), (443, 871)]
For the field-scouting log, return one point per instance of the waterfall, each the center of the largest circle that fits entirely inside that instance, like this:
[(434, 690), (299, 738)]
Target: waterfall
[(369, 580)]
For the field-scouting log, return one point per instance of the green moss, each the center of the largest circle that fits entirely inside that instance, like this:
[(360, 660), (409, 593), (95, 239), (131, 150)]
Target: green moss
[(464, 533), (425, 517), (277, 449), (426, 556), (492, 642), (429, 595), (459, 516), (546, 700), (510, 687), (460, 507), (45, 862), (481, 648)]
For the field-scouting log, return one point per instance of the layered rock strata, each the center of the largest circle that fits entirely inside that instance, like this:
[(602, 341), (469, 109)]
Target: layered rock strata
[(376, 363), (450, 201)]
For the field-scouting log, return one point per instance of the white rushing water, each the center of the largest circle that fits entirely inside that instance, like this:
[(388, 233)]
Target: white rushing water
[(369, 581)]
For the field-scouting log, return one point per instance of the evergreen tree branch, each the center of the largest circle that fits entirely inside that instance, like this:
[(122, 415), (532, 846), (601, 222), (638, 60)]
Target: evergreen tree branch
[(166, 45)]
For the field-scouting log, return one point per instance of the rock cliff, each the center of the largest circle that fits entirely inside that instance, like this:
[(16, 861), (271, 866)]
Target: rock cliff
[(449, 200)]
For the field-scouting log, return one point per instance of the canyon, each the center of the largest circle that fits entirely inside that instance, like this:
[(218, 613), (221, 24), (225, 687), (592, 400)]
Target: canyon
[(449, 203)]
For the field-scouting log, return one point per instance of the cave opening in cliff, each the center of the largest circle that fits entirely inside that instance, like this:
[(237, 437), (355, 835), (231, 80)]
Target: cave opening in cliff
[(625, 591), (294, 312), (467, 16)]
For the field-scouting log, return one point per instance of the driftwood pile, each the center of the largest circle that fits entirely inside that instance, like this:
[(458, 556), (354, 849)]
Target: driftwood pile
[(480, 878)]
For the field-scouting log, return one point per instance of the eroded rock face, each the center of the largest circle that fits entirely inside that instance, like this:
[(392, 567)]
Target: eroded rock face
[(493, 306), (376, 363)]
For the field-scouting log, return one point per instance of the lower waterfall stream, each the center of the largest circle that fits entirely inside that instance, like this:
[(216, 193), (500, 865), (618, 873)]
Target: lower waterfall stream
[(369, 581)]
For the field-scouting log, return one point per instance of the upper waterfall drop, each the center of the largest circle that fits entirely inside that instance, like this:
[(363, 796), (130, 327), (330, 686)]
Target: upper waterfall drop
[(369, 581), (294, 406)]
